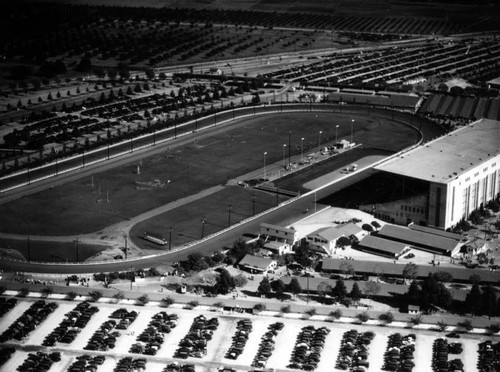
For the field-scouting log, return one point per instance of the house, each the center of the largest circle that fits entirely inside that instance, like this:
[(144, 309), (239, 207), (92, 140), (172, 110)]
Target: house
[(279, 233), (278, 248), (257, 265), (325, 239), (413, 309)]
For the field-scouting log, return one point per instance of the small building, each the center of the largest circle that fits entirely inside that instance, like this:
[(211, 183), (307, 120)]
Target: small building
[(382, 247), (279, 233), (257, 265), (413, 309), (325, 239), (278, 248)]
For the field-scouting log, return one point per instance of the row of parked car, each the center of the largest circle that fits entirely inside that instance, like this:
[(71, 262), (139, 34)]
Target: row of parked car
[(125, 317), (104, 338), (243, 329), (194, 344), (399, 354), (86, 363), (440, 362), (7, 305), (308, 347), (5, 354), (129, 364), (153, 336), (36, 362), (26, 323), (489, 356), (73, 322), (353, 352), (176, 367), (266, 346)]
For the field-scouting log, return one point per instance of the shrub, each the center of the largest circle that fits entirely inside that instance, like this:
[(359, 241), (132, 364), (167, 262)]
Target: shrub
[(442, 326), (167, 301), (336, 314), (311, 311), (363, 317), (193, 304), (2, 289), (493, 328), (23, 292), (387, 317), (118, 296), (71, 295), (285, 309), (47, 291), (259, 307), (143, 300), (466, 325), (95, 295), (415, 320)]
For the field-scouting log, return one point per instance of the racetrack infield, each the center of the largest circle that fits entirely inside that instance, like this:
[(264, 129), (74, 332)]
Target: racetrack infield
[(82, 206)]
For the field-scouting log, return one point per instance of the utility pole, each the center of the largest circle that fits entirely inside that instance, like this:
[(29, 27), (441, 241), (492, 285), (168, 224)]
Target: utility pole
[(253, 205), (289, 148), (229, 215), (77, 258), (170, 238), (29, 249), (202, 227)]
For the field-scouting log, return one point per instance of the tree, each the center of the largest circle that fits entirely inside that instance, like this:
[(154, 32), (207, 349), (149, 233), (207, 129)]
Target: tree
[(340, 290), (311, 311), (294, 286), (71, 295), (416, 320), (150, 74), (285, 309), (240, 280), (264, 287), (386, 317), (224, 283), (346, 268), (23, 292), (343, 242), (143, 300), (259, 307), (324, 288), (488, 300), (473, 300), (434, 293), (410, 271), (443, 276), (367, 227), (355, 292), (278, 287), (371, 288), (413, 294)]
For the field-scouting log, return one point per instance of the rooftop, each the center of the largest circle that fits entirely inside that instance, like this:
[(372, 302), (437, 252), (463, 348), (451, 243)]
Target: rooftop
[(445, 158), (332, 233), (383, 245), (256, 262), (418, 238), (431, 230)]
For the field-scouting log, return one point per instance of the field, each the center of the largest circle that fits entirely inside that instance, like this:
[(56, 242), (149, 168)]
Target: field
[(218, 345)]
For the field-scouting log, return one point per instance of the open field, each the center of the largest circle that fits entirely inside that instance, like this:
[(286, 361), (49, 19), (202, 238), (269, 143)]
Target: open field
[(77, 207), (218, 345)]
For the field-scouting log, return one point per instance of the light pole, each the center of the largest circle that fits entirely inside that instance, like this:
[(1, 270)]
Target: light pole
[(229, 215), (301, 148), (265, 165), (202, 226), (352, 125), (319, 142), (336, 128), (284, 147)]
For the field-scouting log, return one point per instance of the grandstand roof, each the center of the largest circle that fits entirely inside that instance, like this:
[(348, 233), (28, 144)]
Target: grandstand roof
[(445, 158), (419, 239)]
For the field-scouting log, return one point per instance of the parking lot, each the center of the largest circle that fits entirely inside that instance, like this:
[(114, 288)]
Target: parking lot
[(260, 340)]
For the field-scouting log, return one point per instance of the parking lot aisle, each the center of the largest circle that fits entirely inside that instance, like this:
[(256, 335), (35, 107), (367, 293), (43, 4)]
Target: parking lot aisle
[(155, 366), (172, 339), (48, 325), (423, 352), (15, 361), (95, 322), (221, 340), (285, 342), (376, 351), (470, 355), (108, 365), (13, 314), (252, 346), (331, 350), (129, 336)]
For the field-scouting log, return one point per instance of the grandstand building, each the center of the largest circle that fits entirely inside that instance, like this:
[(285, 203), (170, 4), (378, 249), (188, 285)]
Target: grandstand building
[(455, 175)]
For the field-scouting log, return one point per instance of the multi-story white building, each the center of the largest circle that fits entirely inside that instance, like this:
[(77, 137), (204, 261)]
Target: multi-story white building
[(462, 170)]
